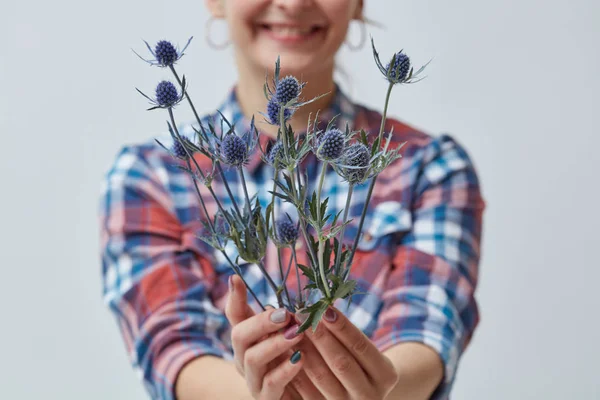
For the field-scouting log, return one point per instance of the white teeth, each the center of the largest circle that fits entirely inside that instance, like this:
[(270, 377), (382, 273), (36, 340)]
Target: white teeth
[(288, 31)]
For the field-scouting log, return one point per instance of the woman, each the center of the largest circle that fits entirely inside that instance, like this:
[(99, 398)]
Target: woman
[(192, 338)]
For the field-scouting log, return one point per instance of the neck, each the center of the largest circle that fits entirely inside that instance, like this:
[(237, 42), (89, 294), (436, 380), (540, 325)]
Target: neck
[(250, 95)]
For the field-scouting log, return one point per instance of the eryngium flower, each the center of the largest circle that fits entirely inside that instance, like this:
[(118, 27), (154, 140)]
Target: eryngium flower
[(357, 156), (273, 108), (400, 68), (287, 232), (331, 144), (178, 150), (164, 53), (287, 89), (276, 151), (166, 94), (234, 150)]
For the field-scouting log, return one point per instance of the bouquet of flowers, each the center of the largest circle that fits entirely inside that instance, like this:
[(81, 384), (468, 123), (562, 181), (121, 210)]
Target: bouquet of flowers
[(354, 155)]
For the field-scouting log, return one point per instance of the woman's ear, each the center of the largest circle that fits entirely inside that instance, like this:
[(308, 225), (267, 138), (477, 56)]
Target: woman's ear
[(216, 8)]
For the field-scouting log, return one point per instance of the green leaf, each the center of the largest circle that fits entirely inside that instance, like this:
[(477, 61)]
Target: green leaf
[(318, 314), (269, 212), (345, 289), (307, 272), (363, 137), (282, 196)]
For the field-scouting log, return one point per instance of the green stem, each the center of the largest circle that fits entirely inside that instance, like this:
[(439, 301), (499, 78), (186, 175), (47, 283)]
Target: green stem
[(241, 172), (297, 274), (322, 268), (345, 218), (217, 163), (320, 227), (371, 186)]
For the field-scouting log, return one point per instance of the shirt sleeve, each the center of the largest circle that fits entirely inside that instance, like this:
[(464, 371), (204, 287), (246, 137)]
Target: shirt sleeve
[(156, 275), (429, 296)]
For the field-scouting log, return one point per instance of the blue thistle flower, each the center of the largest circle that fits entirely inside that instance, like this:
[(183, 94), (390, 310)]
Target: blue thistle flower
[(401, 67), (165, 52), (287, 232), (287, 89), (166, 94), (273, 108), (178, 150), (276, 152), (398, 70), (357, 156), (234, 150), (331, 144)]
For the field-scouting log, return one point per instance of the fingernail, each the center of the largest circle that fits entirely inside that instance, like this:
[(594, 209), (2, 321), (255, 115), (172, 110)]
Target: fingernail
[(330, 315), (301, 317), (295, 357), (291, 332), (278, 316), (231, 288)]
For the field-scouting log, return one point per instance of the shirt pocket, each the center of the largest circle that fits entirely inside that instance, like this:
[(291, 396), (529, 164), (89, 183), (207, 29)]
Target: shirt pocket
[(383, 224)]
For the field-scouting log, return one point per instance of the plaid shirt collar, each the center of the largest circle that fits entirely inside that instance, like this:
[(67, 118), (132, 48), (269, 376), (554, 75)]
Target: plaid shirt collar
[(341, 105)]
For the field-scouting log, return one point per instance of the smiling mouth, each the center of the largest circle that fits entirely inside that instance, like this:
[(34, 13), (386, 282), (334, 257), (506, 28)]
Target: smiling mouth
[(288, 33)]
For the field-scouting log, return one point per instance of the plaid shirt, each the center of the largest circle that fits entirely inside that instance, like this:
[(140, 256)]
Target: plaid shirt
[(417, 261)]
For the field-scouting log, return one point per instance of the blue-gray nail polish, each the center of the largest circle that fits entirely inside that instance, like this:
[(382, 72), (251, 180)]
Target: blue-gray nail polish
[(295, 357)]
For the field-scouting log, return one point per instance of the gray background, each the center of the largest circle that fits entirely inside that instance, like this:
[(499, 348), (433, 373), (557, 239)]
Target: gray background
[(515, 81)]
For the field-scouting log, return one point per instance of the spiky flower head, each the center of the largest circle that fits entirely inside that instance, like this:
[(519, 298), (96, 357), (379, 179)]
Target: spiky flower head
[(234, 150), (287, 89), (400, 68), (357, 158), (287, 232), (331, 144), (166, 94), (165, 52), (273, 108), (275, 152), (178, 150)]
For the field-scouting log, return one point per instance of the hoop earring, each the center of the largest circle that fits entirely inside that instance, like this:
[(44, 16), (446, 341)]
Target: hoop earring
[(363, 38), (209, 41)]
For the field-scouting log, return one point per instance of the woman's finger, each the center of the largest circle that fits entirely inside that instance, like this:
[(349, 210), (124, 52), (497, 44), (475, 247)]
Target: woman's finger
[(320, 378), (237, 308), (258, 357), (275, 381), (254, 329), (341, 362), (372, 361)]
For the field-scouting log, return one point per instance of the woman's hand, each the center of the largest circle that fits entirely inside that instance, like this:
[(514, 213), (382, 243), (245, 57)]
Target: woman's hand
[(261, 351), (345, 364)]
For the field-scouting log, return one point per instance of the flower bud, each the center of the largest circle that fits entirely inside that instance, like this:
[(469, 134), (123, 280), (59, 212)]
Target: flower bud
[(165, 52), (286, 231), (400, 68), (234, 150), (287, 89), (273, 108), (275, 153), (356, 155), (331, 145), (166, 94)]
